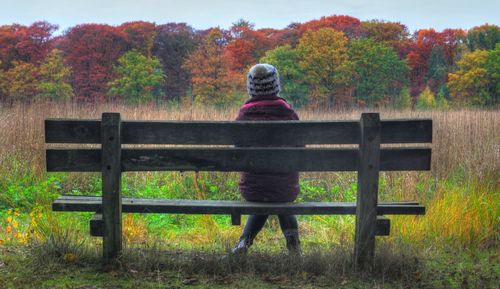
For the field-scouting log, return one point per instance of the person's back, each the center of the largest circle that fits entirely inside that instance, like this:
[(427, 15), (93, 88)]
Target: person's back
[(265, 104), (261, 187)]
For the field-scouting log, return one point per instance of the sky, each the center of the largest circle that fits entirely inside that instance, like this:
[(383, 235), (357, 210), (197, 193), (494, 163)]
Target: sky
[(415, 14)]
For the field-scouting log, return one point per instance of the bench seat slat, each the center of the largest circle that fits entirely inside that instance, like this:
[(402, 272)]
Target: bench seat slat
[(140, 205), (237, 159), (230, 132)]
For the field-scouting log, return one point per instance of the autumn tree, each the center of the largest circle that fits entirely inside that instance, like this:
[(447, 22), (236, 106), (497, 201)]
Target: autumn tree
[(483, 37), (476, 82), (324, 58), (25, 43), (350, 26), (212, 80), (294, 86), (91, 50), (379, 74), (394, 34), (139, 78), (384, 31), (246, 46), (22, 80), (54, 78), (141, 35), (425, 41), (3, 84), (173, 43)]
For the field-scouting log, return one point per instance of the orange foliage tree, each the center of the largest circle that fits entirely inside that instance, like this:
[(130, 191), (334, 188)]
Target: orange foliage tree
[(212, 79)]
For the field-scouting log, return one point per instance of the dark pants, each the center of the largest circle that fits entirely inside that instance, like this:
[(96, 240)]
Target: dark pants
[(288, 224)]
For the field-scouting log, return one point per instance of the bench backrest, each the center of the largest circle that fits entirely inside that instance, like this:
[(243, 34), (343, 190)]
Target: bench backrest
[(264, 146)]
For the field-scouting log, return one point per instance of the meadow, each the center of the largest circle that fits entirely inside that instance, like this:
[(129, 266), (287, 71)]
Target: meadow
[(455, 245)]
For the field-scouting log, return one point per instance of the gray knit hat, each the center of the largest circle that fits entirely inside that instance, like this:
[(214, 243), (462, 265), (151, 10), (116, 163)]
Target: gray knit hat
[(263, 79)]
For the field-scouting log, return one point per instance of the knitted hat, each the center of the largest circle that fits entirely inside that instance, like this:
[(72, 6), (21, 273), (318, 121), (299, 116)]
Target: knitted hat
[(263, 79)]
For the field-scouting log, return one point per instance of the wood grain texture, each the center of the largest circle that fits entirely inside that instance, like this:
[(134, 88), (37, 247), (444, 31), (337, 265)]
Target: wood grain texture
[(367, 195), (172, 206), (252, 133)]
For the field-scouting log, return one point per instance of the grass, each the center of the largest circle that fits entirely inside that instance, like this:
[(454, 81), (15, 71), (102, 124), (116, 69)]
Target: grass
[(455, 245), (146, 268)]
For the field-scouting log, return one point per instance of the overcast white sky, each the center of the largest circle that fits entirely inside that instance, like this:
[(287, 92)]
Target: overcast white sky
[(415, 14)]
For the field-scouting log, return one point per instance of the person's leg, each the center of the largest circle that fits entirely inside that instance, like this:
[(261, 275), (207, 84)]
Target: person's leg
[(252, 228), (290, 229)]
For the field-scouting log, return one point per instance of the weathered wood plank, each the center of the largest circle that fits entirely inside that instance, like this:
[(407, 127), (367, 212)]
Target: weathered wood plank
[(73, 160), (406, 131), (171, 206), (97, 225), (229, 132), (72, 131), (111, 182), (78, 198), (383, 226), (272, 160), (367, 196), (237, 159)]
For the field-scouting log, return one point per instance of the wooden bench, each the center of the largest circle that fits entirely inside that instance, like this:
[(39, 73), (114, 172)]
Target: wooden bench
[(259, 146)]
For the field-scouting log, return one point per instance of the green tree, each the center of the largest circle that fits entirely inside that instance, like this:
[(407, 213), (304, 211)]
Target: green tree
[(493, 69), (379, 74), (323, 56), (54, 78), (294, 87), (139, 78), (402, 100), (437, 70), (483, 37), (22, 81)]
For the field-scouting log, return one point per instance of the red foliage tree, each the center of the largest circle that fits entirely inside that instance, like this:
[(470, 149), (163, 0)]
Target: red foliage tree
[(246, 46), (424, 41), (141, 35), (349, 25), (91, 50), (25, 43)]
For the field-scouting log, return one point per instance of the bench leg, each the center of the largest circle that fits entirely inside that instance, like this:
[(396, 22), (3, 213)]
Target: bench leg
[(383, 226), (96, 225), (368, 175), (111, 192), (235, 219)]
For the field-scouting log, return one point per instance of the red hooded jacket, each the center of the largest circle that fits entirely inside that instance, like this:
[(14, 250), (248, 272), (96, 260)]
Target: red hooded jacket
[(266, 187)]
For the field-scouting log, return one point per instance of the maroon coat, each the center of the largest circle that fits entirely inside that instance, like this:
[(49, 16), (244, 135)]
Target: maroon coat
[(266, 187)]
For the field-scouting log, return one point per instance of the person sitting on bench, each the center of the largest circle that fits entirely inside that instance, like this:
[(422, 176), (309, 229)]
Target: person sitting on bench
[(263, 86)]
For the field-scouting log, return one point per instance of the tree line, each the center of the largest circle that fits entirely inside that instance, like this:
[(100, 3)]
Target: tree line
[(323, 63)]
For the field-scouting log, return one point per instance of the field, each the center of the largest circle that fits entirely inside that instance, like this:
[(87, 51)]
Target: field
[(455, 245)]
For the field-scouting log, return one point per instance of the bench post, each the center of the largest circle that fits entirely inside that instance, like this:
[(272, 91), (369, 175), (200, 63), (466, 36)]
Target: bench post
[(368, 175), (111, 182)]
